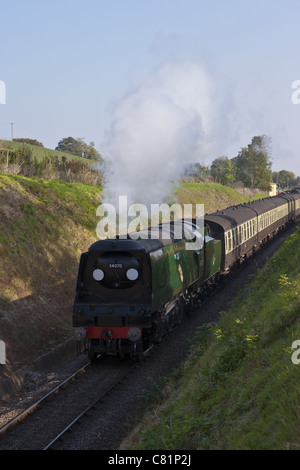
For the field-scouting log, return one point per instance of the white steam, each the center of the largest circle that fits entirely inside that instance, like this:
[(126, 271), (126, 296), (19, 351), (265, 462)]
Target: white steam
[(164, 123)]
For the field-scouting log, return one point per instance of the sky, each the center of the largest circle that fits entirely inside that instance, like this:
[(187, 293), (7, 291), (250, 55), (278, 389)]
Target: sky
[(155, 84)]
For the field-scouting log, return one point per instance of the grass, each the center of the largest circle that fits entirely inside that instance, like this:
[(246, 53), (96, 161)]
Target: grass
[(239, 389), (214, 196), (44, 228), (39, 152), (38, 208)]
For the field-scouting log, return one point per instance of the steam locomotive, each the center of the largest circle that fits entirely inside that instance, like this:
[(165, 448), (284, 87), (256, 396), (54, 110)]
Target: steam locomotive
[(131, 292)]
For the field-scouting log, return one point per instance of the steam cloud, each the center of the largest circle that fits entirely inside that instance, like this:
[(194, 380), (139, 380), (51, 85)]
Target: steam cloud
[(157, 128)]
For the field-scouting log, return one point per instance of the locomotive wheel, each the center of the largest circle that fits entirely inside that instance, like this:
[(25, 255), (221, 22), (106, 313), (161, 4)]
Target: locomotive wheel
[(91, 352), (180, 312), (170, 322), (158, 329), (137, 350)]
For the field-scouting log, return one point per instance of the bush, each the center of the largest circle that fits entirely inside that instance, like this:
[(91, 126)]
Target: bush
[(22, 162)]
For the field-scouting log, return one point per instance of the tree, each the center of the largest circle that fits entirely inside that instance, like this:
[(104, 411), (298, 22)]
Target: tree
[(253, 164), (69, 145), (223, 170), (78, 147), (285, 179), (29, 141), (89, 151), (197, 171)]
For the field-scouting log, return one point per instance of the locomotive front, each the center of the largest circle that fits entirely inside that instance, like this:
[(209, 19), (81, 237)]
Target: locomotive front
[(113, 288)]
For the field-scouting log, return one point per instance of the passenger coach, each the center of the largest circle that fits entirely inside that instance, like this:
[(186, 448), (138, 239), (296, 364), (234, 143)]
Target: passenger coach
[(243, 228)]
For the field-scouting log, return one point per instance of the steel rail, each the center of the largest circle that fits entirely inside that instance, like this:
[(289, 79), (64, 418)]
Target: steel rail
[(21, 416), (88, 408)]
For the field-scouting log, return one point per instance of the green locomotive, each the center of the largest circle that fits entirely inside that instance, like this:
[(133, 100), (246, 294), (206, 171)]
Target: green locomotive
[(131, 292)]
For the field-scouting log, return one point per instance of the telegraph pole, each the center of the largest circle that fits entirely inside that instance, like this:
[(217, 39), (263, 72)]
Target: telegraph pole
[(12, 130)]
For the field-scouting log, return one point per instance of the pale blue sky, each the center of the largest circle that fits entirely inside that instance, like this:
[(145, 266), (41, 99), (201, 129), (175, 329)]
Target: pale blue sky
[(68, 63)]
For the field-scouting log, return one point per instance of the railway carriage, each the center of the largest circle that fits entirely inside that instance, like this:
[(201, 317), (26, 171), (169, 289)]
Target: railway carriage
[(297, 205), (243, 228), (293, 199), (273, 214), (236, 228)]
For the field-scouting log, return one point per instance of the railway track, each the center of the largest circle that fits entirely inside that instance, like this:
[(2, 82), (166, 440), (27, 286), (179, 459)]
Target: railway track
[(44, 422), (90, 407), (21, 416)]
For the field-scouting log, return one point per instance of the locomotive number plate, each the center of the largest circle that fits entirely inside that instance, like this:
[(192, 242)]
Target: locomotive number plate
[(115, 265)]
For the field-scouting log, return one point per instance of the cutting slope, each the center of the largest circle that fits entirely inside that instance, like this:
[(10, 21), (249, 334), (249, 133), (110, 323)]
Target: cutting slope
[(44, 227)]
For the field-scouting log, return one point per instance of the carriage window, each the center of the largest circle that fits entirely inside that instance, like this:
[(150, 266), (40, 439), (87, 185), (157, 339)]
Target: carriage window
[(234, 237), (229, 241)]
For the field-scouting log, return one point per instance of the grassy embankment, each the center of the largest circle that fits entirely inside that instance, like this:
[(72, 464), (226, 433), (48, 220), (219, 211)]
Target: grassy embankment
[(33, 161), (44, 227), (39, 152), (214, 196), (239, 388)]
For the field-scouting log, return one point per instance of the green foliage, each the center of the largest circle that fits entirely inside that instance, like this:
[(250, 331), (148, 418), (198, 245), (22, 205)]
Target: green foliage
[(38, 152), (69, 145), (253, 165), (214, 196), (29, 141), (24, 161), (196, 171), (153, 393), (199, 343), (78, 147), (284, 179), (223, 170)]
